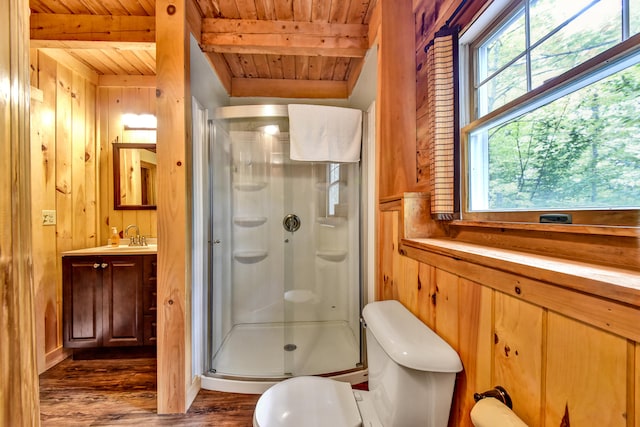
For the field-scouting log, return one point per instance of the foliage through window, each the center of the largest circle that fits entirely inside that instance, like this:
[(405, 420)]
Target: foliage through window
[(555, 123)]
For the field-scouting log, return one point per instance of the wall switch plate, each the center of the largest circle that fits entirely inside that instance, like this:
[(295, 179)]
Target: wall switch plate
[(48, 217)]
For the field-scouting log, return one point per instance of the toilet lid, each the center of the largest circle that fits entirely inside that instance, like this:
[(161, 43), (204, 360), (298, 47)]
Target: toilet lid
[(309, 402)]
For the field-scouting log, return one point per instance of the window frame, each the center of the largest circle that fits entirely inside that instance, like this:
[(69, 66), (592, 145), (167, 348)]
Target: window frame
[(628, 217)]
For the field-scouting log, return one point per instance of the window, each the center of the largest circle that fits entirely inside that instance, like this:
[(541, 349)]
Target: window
[(333, 189), (553, 98)]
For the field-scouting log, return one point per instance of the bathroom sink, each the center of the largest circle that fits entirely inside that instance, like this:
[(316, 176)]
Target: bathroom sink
[(129, 249)]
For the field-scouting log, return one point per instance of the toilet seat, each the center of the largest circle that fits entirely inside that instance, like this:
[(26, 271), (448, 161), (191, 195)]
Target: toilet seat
[(309, 402)]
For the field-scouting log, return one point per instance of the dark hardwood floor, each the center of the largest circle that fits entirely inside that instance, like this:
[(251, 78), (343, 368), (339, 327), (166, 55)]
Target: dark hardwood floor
[(117, 392)]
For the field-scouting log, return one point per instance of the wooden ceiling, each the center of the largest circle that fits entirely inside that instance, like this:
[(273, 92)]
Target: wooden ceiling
[(286, 48)]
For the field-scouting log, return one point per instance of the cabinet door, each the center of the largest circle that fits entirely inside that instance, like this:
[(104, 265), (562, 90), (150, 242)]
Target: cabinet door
[(82, 301), (122, 301)]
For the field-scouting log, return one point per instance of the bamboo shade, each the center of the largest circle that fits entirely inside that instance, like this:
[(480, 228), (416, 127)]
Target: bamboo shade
[(442, 112)]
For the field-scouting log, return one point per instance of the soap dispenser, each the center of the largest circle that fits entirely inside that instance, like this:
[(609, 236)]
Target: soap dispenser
[(115, 237)]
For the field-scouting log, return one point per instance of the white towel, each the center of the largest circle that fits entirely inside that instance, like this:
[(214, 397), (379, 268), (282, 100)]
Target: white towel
[(324, 134)]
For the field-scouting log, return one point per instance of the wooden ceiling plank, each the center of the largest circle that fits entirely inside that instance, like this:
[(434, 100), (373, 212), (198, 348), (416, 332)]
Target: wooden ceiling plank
[(289, 67), (133, 7), (275, 66), (39, 6), (302, 68), (247, 9), (340, 71), (233, 61), (328, 65), (302, 10), (88, 44), (209, 8), (284, 10), (96, 7), (320, 10), (289, 88), (115, 7), (262, 66), (105, 64), (248, 66), (229, 9), (147, 59), (134, 64), (127, 81), (149, 6), (358, 11), (315, 67), (93, 28), (125, 65), (75, 6), (265, 9), (73, 63), (339, 11)]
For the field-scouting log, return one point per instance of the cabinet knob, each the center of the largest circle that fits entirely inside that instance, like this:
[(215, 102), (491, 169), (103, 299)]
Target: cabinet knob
[(96, 265), (104, 265)]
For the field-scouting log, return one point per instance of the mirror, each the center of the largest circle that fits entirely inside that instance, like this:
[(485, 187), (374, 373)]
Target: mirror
[(134, 176)]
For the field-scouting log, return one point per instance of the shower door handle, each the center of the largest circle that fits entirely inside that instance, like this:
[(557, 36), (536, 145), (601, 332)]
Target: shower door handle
[(291, 222)]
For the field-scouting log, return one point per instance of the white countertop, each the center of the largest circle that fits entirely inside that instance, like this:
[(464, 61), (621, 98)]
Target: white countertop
[(123, 249)]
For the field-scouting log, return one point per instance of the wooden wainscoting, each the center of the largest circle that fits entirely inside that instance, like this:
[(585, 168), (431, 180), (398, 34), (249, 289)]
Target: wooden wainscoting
[(565, 350)]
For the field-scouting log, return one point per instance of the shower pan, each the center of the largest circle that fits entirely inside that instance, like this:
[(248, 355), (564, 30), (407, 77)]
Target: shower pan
[(285, 294)]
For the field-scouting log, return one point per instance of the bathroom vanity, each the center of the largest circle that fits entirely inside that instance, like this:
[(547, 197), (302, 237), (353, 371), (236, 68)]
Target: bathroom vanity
[(109, 297)]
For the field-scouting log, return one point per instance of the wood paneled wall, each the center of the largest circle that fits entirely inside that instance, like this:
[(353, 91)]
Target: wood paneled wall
[(396, 100), (19, 397), (73, 123), (558, 362), (64, 179), (112, 103)]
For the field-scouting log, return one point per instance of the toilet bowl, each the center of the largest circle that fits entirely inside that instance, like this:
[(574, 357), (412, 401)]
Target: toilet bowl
[(411, 379)]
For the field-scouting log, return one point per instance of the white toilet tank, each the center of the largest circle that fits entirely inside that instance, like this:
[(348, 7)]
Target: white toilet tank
[(412, 371)]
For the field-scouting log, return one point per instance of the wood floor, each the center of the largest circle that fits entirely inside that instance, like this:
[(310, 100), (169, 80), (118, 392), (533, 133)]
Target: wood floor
[(117, 392)]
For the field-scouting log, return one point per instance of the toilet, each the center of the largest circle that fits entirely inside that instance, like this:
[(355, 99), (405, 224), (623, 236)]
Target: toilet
[(412, 373)]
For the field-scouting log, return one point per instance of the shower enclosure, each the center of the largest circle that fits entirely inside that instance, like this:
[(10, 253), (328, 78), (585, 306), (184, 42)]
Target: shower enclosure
[(285, 294)]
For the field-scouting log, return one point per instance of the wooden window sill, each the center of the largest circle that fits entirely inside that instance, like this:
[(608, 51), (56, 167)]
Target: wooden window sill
[(617, 284), (602, 230)]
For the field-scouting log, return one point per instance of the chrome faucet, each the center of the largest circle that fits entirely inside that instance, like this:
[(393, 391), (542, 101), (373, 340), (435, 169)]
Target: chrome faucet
[(137, 239)]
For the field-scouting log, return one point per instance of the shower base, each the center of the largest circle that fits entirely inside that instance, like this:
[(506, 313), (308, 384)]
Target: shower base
[(255, 354)]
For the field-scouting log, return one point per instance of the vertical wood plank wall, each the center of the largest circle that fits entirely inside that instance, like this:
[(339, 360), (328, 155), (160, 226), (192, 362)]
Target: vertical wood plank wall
[(19, 401), (73, 123), (112, 103), (555, 368)]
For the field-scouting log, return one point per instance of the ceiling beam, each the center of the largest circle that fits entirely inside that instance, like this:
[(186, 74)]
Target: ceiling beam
[(247, 36), (90, 31), (287, 88)]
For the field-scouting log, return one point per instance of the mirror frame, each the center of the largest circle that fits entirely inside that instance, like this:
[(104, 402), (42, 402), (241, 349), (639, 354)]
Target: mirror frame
[(117, 146)]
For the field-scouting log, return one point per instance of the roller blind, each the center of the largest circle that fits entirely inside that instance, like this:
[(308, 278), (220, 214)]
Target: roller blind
[(443, 123)]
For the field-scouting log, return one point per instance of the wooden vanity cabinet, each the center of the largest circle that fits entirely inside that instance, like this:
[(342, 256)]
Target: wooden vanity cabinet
[(103, 300)]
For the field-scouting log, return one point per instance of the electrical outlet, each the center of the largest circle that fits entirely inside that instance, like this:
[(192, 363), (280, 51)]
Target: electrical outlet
[(48, 217)]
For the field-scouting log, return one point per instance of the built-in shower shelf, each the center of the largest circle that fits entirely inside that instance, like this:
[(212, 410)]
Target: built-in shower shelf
[(300, 296), (250, 186), (331, 221), (335, 256), (249, 257), (249, 221)]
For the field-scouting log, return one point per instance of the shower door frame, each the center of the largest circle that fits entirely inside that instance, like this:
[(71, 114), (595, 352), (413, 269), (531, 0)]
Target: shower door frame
[(271, 111)]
